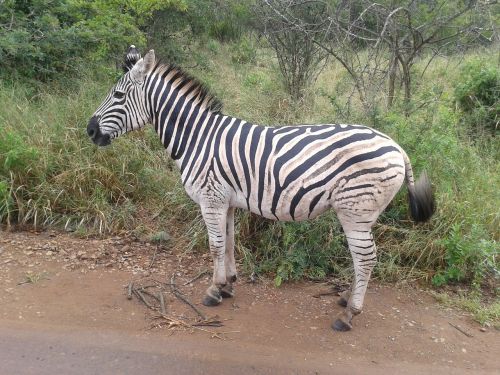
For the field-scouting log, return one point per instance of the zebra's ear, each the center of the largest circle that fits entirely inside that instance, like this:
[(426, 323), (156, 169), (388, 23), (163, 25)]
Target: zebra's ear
[(133, 55), (149, 60), (143, 66)]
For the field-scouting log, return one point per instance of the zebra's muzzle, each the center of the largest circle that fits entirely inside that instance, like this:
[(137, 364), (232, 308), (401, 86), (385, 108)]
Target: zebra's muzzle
[(94, 132)]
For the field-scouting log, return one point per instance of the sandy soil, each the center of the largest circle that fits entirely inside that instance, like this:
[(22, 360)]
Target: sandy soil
[(56, 289)]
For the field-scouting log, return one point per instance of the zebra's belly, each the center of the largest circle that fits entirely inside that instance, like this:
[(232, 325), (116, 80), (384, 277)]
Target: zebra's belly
[(304, 210)]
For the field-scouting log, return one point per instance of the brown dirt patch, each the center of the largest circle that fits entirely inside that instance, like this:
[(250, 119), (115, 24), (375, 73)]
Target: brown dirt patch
[(62, 282)]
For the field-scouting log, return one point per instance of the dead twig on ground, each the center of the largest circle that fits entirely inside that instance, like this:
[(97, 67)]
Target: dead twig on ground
[(154, 258), (460, 330), (139, 295), (180, 296), (154, 299), (173, 323), (129, 290), (326, 293), (162, 303), (152, 295), (201, 274)]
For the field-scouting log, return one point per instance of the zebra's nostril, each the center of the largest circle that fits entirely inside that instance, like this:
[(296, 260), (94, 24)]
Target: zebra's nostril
[(91, 133)]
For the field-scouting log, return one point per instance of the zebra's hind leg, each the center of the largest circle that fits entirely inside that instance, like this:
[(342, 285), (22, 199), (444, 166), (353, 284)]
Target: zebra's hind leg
[(363, 253), (215, 219), (228, 291)]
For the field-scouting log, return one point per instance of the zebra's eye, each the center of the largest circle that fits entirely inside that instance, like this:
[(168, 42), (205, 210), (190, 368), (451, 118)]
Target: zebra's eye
[(119, 95)]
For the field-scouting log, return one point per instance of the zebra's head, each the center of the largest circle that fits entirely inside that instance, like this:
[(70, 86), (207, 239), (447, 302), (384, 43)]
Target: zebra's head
[(125, 107)]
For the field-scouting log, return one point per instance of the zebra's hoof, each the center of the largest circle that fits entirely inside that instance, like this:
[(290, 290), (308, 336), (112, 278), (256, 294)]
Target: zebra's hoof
[(342, 302), (340, 326), (212, 296), (227, 291), (209, 300)]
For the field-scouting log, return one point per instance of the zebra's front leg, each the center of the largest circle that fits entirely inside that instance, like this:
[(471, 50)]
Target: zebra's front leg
[(228, 291), (364, 257), (215, 221), (344, 296)]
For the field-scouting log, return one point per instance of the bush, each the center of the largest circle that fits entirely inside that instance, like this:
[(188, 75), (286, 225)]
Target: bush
[(478, 94), (291, 251), (469, 257), (243, 52), (42, 39)]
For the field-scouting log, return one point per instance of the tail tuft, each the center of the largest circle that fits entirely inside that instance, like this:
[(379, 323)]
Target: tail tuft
[(422, 203)]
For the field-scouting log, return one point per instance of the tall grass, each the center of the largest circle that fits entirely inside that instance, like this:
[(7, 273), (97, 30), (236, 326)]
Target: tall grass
[(50, 174)]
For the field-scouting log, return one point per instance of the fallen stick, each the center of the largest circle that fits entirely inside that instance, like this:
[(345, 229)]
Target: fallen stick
[(129, 290), (202, 273), (172, 322), (460, 329), (329, 293), (179, 295), (142, 298), (149, 294), (213, 323), (159, 282), (154, 258), (162, 303)]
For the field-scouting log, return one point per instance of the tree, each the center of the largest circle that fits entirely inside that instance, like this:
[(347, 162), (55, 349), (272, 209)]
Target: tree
[(378, 43), (40, 39), (299, 57)]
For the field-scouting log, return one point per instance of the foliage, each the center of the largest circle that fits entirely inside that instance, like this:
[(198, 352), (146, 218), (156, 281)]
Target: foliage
[(293, 251), (40, 39), (377, 43), (483, 313), (58, 178), (478, 94), (468, 257), (299, 57), (173, 31), (243, 52), (229, 19)]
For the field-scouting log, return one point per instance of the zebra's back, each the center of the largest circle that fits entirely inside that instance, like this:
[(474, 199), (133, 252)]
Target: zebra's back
[(297, 172)]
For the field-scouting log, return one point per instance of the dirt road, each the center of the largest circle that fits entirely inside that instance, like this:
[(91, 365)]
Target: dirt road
[(64, 310)]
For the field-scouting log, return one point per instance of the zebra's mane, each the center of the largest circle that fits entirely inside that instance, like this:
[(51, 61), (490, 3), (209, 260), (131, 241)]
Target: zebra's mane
[(203, 96)]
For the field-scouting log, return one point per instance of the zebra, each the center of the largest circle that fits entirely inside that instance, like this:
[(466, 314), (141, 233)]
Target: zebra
[(131, 57), (288, 173)]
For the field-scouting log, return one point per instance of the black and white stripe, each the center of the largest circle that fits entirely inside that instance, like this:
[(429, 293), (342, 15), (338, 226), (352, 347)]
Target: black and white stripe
[(288, 173)]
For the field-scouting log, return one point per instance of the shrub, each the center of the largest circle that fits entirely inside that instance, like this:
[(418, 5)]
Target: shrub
[(469, 257), (478, 94), (243, 52), (291, 251), (300, 59), (41, 39)]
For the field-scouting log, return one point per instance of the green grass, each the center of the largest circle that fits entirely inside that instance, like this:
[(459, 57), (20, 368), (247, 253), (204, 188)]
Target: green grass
[(51, 175), (483, 313)]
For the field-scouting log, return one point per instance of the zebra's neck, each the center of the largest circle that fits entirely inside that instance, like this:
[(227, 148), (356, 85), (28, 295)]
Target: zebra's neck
[(181, 110)]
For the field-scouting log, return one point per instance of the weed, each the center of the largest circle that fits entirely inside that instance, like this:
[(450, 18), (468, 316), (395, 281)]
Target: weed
[(483, 313), (243, 52), (478, 93), (33, 277), (160, 237), (469, 257)]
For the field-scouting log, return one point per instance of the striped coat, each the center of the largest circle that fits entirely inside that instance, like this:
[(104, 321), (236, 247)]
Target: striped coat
[(289, 173)]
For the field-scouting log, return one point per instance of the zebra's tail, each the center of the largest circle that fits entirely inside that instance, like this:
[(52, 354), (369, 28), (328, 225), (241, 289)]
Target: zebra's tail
[(421, 196)]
